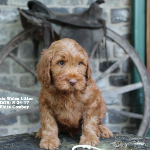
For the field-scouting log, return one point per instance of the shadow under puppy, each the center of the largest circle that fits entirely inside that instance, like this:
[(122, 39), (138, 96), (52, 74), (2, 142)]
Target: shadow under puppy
[(69, 100)]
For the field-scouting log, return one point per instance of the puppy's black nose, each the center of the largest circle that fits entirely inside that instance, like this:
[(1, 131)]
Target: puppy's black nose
[(73, 82)]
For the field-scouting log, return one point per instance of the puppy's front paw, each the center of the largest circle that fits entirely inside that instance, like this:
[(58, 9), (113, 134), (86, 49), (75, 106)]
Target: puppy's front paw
[(105, 132), (92, 140), (50, 143)]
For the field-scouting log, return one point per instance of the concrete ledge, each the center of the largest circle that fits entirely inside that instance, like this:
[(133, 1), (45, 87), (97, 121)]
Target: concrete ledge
[(118, 142)]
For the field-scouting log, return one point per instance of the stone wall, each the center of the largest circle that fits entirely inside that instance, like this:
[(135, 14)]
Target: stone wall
[(117, 14)]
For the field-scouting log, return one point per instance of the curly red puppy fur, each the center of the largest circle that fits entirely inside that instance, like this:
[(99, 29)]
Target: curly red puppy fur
[(69, 100)]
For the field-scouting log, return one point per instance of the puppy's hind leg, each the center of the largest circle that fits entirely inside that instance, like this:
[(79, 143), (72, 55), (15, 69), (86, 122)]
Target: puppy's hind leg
[(105, 132)]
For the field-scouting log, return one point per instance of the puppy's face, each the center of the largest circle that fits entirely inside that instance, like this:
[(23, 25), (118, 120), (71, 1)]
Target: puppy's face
[(68, 70), (69, 66)]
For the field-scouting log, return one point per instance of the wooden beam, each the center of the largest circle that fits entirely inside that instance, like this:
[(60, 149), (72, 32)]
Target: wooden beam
[(148, 37), (94, 50)]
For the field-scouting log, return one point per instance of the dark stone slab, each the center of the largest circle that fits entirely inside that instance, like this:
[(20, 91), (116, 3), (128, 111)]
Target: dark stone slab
[(126, 28), (118, 80), (3, 2), (118, 142), (90, 2), (8, 121), (5, 67), (69, 2), (115, 128), (47, 2), (34, 117), (126, 99), (79, 9), (15, 30), (127, 66), (1, 46), (24, 2), (111, 99), (4, 94), (61, 10), (27, 50), (127, 2), (114, 119), (3, 33), (120, 15), (27, 81), (133, 120), (103, 66), (127, 36), (104, 120), (15, 51), (8, 81), (19, 2), (9, 15), (30, 118), (130, 130), (17, 68)]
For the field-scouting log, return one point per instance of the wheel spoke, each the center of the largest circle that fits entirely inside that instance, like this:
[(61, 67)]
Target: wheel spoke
[(127, 114), (124, 89), (23, 64), (33, 93), (112, 68), (94, 50), (28, 111)]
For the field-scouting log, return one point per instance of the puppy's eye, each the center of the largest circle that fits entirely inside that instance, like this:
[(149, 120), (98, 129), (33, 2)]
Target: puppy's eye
[(61, 63), (79, 63)]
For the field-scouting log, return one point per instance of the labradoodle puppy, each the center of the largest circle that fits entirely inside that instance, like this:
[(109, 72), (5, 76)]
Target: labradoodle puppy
[(69, 100)]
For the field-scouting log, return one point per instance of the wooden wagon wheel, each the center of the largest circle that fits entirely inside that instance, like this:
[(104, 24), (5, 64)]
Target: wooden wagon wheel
[(145, 83), (131, 53), (9, 47)]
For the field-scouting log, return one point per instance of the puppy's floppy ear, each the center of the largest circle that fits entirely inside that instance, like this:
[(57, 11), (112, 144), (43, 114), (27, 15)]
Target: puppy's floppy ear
[(43, 68), (88, 72), (103, 108)]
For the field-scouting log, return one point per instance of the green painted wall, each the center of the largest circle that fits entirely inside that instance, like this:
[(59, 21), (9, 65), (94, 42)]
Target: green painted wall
[(139, 43)]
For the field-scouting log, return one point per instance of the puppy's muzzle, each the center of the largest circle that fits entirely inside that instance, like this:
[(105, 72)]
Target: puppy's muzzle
[(72, 82)]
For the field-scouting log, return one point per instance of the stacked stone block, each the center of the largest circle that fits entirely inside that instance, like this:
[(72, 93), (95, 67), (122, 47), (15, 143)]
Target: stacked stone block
[(117, 14)]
